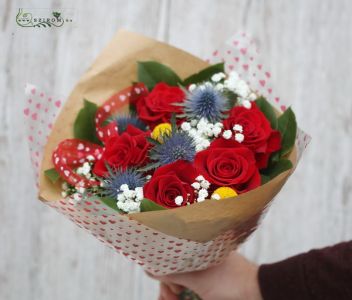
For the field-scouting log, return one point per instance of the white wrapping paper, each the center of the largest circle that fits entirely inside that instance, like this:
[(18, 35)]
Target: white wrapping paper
[(155, 251)]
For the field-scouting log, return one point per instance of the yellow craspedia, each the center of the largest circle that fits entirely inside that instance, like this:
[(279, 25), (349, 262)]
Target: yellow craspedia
[(223, 192), (160, 130)]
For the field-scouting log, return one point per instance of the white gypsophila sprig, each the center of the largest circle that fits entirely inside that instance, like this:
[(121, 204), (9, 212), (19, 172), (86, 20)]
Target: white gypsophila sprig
[(202, 132), (236, 132), (201, 186), (128, 200), (227, 134), (85, 170), (240, 87), (179, 200), (218, 77), (215, 196), (76, 194)]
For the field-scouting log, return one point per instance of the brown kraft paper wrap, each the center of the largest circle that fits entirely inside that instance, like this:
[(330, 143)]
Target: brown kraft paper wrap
[(209, 229)]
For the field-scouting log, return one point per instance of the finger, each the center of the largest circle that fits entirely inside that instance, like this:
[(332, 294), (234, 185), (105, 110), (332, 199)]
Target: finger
[(151, 275), (178, 279), (190, 280), (175, 288), (166, 293)]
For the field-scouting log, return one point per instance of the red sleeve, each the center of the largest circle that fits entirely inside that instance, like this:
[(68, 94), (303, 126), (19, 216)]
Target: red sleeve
[(318, 274)]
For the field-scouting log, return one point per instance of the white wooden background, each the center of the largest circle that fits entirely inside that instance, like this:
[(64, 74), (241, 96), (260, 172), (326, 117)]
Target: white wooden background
[(307, 44)]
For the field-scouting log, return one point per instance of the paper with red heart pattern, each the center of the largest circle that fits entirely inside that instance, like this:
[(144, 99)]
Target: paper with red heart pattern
[(156, 252)]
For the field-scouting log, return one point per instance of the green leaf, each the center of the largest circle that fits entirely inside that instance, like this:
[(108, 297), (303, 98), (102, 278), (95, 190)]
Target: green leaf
[(112, 203), (274, 157), (173, 123), (204, 74), (150, 166), (264, 178), (188, 294), (149, 205), (56, 14), (84, 126), (287, 126), (132, 109), (269, 112), (152, 72), (277, 168), (52, 175), (231, 97), (152, 141)]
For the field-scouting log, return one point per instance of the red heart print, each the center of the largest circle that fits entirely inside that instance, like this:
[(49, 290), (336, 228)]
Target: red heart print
[(262, 82)]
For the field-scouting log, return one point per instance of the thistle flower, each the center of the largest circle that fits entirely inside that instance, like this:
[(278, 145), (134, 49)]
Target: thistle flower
[(125, 120), (116, 178), (205, 102), (168, 148), (178, 145), (175, 147)]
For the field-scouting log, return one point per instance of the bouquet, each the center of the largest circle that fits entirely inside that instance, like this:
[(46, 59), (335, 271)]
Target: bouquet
[(168, 159)]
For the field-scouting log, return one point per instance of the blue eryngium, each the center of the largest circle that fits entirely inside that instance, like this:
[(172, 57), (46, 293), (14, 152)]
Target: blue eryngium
[(205, 102), (125, 120), (177, 146), (118, 177)]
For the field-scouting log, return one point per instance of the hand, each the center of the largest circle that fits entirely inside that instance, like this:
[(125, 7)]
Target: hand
[(233, 279)]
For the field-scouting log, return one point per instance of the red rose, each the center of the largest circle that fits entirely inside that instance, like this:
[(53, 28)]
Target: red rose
[(157, 106), (171, 181), (227, 163), (126, 150), (258, 134)]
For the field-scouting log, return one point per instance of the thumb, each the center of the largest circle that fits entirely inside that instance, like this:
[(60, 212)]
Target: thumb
[(190, 280)]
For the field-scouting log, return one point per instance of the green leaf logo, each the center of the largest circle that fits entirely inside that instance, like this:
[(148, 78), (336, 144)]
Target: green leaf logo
[(56, 15), (38, 19)]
